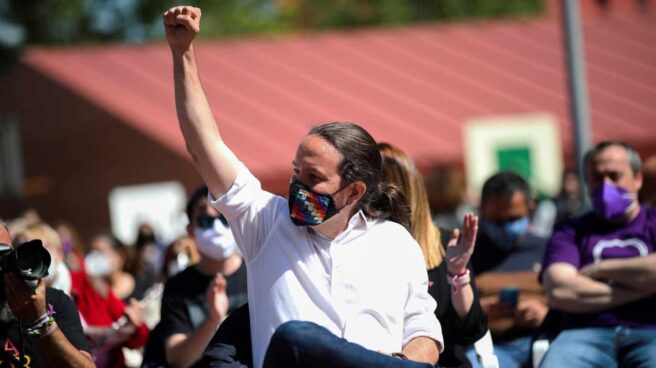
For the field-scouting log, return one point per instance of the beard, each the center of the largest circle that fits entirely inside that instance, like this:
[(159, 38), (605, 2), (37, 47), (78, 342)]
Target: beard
[(5, 312)]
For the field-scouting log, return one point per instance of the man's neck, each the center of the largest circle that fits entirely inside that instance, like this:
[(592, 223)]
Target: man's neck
[(332, 229), (226, 267), (336, 225), (633, 214)]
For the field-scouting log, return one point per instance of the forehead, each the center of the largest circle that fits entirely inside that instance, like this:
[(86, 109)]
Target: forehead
[(203, 206), (499, 209), (316, 152), (101, 243), (613, 158)]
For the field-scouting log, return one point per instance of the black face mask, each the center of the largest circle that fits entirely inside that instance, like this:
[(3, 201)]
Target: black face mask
[(145, 238), (309, 208)]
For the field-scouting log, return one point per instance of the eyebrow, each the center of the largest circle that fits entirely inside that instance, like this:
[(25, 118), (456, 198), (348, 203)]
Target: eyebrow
[(312, 168)]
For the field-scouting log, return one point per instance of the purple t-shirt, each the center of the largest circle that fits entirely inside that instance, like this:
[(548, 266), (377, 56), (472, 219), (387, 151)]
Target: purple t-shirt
[(587, 240)]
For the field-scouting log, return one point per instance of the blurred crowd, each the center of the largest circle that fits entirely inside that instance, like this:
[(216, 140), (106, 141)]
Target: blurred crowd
[(362, 264), (118, 287)]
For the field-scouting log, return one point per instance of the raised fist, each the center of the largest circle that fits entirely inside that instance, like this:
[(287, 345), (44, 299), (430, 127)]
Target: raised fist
[(181, 24)]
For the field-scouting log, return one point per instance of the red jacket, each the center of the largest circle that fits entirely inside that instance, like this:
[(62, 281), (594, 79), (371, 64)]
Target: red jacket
[(99, 311)]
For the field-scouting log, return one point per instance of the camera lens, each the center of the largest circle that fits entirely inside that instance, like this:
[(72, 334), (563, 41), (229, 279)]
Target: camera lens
[(30, 260)]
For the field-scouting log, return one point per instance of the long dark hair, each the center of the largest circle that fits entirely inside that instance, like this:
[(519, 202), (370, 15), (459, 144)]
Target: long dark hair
[(362, 161)]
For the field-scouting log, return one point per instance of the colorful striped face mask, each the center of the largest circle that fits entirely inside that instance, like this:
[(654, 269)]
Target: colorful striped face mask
[(309, 208)]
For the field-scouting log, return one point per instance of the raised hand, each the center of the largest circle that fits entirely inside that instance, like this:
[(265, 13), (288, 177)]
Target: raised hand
[(26, 303), (135, 312), (181, 24), (458, 253), (217, 299)]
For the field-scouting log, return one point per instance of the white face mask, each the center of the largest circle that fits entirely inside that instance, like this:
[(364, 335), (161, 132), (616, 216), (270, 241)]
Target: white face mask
[(215, 242), (59, 276), (52, 270), (97, 264)]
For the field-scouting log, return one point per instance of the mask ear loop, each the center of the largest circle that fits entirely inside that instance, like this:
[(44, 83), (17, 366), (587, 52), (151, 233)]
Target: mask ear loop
[(339, 190), (633, 204)]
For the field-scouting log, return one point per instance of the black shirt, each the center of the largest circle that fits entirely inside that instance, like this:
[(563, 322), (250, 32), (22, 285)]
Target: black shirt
[(18, 347), (184, 307), (458, 333), (488, 257)]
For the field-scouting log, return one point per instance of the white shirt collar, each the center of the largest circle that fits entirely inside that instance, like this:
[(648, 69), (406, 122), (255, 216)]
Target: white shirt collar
[(357, 225)]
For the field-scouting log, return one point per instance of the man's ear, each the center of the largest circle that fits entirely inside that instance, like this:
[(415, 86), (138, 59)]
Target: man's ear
[(190, 231), (638, 180), (357, 191)]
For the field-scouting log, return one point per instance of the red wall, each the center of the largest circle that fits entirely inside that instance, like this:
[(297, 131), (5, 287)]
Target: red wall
[(75, 153)]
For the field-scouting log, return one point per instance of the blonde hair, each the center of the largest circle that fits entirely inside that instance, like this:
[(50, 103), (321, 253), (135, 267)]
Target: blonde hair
[(399, 169), (180, 244), (46, 234)]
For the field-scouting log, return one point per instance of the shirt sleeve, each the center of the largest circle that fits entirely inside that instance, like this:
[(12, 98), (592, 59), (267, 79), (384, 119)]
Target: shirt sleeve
[(138, 337), (251, 212), (68, 319), (419, 315), (174, 315), (562, 247), (116, 309)]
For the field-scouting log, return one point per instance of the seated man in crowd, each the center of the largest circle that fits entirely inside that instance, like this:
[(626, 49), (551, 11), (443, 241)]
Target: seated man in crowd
[(38, 325), (197, 299), (600, 270), (647, 194), (506, 262), (335, 279)]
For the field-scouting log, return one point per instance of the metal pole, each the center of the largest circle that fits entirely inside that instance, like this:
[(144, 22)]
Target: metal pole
[(577, 84)]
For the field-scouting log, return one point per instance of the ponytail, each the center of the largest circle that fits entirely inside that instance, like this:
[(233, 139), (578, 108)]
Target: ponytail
[(388, 203)]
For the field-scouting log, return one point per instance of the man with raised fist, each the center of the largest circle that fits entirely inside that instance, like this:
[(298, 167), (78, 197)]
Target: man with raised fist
[(334, 277)]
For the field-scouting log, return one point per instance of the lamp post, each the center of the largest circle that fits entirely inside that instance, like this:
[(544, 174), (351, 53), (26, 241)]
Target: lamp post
[(579, 105)]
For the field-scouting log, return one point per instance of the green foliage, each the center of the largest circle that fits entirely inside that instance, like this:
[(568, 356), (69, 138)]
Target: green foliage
[(71, 21), (230, 18), (350, 13)]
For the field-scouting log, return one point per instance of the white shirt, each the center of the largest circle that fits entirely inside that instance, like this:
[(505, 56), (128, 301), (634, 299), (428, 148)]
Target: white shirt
[(368, 285)]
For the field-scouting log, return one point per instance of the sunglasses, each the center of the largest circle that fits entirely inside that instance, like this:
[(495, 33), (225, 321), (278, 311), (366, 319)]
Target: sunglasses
[(207, 221)]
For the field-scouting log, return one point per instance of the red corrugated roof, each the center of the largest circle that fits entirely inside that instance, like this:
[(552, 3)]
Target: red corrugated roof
[(414, 86)]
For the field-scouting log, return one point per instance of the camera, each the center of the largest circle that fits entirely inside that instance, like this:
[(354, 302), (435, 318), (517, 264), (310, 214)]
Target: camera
[(30, 260)]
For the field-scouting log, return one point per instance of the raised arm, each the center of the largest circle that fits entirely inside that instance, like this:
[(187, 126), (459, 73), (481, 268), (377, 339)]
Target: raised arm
[(634, 273), (458, 254), (183, 350), (215, 162), (573, 292)]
